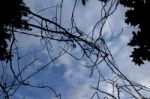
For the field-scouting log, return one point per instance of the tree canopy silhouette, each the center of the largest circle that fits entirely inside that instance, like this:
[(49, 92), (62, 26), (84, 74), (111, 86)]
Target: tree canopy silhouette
[(11, 14), (138, 16)]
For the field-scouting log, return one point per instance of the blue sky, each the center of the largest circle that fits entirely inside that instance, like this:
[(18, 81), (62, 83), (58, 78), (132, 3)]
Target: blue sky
[(66, 75)]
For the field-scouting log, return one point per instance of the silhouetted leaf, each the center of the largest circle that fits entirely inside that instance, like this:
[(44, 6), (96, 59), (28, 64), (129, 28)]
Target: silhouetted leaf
[(83, 2)]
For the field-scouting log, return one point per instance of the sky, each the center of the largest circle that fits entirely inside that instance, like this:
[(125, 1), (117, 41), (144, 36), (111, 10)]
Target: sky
[(66, 75)]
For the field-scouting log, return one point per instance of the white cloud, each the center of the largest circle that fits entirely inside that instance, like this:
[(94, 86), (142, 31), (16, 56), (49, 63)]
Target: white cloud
[(80, 92), (66, 59)]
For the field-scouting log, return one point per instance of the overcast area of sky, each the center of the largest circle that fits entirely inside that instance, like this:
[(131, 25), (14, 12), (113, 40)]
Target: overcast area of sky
[(67, 76)]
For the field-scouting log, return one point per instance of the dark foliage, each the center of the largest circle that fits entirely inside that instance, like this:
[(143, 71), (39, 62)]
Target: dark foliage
[(138, 16), (11, 13), (83, 2)]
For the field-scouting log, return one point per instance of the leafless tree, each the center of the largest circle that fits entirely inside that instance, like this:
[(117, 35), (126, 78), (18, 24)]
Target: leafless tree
[(92, 49)]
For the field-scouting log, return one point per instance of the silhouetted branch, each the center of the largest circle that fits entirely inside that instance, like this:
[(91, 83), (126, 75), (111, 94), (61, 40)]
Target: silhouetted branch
[(93, 49)]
